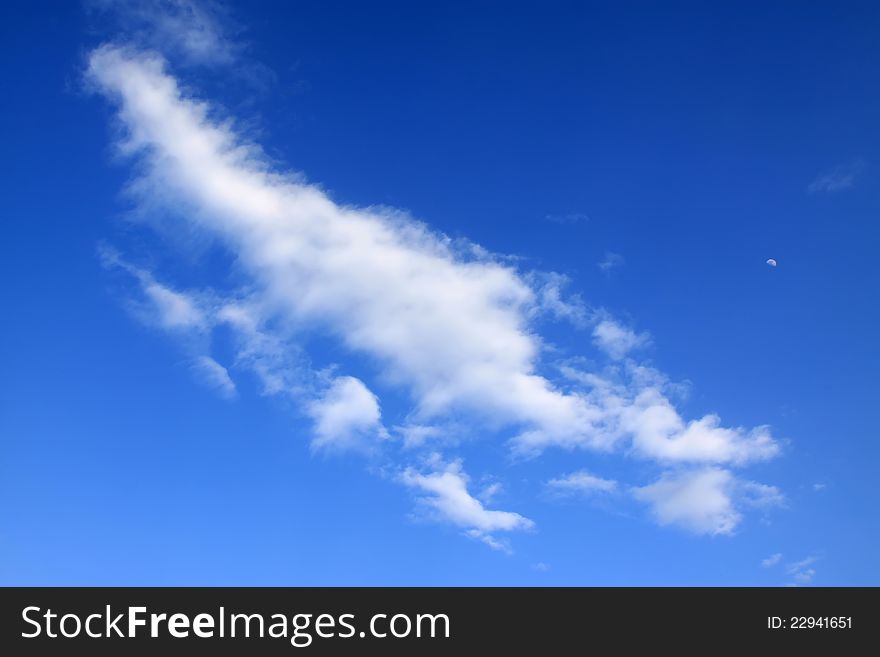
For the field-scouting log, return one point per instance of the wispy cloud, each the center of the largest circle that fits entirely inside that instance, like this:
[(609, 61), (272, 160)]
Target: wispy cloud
[(802, 572), (618, 340), (772, 560), (838, 179), (161, 305), (490, 491), (200, 32), (418, 435), (179, 313), (345, 412), (567, 218), (610, 261), (215, 376), (581, 482), (552, 300)]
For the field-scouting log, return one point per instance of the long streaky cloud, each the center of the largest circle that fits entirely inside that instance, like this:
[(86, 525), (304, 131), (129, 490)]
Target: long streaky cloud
[(452, 328)]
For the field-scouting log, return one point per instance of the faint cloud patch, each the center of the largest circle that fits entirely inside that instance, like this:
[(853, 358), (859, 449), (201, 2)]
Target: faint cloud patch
[(567, 219), (617, 340), (772, 560), (553, 300), (192, 33), (490, 491), (581, 482), (610, 262), (802, 572), (199, 32), (838, 179)]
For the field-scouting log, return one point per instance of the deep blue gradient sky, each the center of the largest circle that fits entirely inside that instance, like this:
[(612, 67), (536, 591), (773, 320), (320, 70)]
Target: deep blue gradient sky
[(685, 137)]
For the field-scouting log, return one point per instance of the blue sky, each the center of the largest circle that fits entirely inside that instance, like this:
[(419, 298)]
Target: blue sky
[(327, 293)]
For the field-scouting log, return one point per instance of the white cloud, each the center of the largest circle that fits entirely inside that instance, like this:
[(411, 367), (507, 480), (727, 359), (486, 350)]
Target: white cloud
[(699, 501), (617, 340), (772, 560), (581, 482), (660, 433), (447, 499), (346, 415), (448, 326), (452, 330), (215, 376), (819, 487), (633, 401), (703, 501)]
